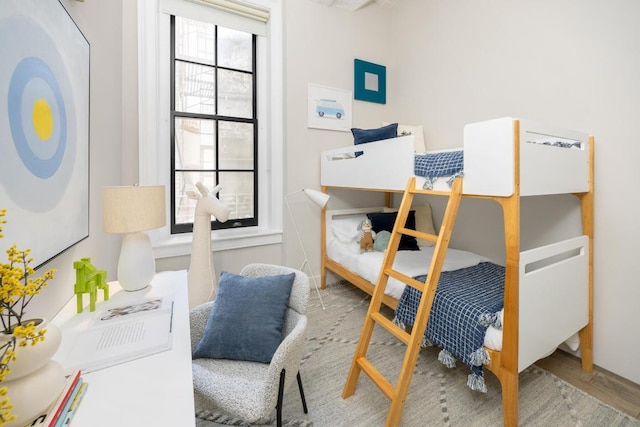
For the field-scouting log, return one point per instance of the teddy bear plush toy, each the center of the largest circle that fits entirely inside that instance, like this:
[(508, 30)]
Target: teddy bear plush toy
[(366, 236)]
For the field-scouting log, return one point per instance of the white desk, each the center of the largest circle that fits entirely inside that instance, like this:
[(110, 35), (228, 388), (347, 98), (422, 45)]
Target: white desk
[(155, 390)]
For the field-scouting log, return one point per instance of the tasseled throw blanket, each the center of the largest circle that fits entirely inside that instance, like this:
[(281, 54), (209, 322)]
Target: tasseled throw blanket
[(432, 166), (466, 303)]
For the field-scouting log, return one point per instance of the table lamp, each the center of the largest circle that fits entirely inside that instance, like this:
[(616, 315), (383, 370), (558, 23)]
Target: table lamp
[(132, 210)]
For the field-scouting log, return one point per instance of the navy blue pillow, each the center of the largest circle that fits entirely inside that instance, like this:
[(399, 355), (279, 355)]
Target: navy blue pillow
[(246, 318), (385, 220), (362, 136)]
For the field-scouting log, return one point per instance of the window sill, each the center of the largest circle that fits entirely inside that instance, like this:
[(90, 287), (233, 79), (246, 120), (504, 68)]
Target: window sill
[(180, 245)]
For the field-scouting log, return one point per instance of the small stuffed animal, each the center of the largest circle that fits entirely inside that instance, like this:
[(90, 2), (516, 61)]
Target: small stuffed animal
[(366, 236), (382, 241)]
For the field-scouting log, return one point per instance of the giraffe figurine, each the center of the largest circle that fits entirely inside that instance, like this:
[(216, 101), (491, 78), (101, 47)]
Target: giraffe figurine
[(88, 280), (201, 278)]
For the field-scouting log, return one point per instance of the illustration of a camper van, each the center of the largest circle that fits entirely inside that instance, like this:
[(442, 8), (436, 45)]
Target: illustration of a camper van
[(329, 107)]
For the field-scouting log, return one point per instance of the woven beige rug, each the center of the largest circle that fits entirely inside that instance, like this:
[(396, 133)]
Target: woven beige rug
[(438, 395)]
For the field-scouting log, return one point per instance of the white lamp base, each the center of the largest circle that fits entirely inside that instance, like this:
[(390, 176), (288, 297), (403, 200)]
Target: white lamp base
[(136, 266)]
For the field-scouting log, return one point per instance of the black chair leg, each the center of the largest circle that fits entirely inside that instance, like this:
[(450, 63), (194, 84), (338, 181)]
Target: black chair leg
[(280, 397), (304, 401), (279, 405)]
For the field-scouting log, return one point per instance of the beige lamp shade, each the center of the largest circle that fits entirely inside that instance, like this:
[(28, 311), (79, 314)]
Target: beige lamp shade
[(132, 210), (128, 209)]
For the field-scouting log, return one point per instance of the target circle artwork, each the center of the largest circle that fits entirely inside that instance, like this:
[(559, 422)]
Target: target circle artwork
[(44, 127), (37, 117), (40, 111)]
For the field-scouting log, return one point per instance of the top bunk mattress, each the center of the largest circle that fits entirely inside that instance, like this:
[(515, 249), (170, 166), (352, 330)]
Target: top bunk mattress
[(550, 160)]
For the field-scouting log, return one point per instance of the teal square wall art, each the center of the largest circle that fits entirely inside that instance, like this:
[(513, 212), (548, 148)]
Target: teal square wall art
[(370, 81)]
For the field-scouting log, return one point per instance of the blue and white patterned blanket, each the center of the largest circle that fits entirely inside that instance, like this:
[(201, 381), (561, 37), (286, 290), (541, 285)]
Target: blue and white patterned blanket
[(431, 166), (466, 303)]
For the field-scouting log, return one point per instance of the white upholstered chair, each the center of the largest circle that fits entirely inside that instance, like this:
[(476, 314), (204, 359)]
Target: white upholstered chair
[(251, 390)]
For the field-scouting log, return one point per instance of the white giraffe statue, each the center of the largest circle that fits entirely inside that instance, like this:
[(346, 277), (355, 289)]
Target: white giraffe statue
[(202, 280)]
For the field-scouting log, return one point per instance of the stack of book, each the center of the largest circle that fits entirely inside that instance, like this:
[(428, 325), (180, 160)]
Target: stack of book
[(64, 408)]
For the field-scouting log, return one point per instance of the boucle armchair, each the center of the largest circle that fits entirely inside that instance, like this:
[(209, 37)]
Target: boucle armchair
[(251, 390)]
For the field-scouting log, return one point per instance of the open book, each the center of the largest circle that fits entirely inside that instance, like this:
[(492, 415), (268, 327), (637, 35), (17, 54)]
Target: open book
[(124, 332)]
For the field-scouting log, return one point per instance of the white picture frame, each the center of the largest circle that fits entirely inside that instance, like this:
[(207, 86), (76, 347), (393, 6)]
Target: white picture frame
[(329, 108)]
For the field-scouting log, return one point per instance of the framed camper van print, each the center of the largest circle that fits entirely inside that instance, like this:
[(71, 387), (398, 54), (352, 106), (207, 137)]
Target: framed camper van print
[(328, 108)]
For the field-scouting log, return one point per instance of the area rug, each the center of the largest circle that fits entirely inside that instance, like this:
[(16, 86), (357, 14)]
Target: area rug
[(438, 396)]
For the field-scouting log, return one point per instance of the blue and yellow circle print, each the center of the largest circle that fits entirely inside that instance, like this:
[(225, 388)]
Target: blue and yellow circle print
[(37, 117), (37, 144)]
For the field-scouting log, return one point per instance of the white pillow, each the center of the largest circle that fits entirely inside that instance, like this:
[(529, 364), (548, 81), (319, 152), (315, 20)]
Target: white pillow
[(416, 131), (346, 229), (493, 336)]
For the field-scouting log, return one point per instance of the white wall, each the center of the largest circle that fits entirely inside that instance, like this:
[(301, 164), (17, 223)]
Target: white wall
[(574, 64), (321, 44)]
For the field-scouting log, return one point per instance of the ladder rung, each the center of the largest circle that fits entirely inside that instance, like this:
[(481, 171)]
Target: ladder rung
[(445, 193), (419, 234), (429, 192), (405, 279), (394, 329), (378, 379)]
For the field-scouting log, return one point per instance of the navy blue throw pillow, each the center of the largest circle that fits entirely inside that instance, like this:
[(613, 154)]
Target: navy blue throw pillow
[(385, 220), (246, 318), (362, 136)]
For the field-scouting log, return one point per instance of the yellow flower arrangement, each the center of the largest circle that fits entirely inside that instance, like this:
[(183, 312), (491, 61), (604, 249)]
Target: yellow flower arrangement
[(17, 289), (5, 407)]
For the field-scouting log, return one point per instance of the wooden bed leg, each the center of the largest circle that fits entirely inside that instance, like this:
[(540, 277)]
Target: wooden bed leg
[(509, 382), (323, 244), (323, 277), (587, 206), (586, 347)]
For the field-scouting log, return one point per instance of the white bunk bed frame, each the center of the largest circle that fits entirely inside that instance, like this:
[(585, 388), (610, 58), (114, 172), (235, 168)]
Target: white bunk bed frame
[(499, 164)]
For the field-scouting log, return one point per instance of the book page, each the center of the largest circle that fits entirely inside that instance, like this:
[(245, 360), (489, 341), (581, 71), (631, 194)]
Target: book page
[(122, 333)]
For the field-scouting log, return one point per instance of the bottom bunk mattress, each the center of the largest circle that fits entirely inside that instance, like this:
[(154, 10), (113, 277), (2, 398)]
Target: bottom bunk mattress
[(411, 263), (467, 301)]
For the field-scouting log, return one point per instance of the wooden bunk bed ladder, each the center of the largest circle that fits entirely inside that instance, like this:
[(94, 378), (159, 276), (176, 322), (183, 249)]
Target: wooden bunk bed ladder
[(397, 394)]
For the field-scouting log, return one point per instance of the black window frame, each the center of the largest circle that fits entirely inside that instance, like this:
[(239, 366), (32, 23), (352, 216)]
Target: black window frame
[(215, 224)]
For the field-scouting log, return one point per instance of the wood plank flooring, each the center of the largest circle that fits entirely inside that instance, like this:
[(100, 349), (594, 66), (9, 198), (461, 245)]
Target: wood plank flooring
[(606, 386)]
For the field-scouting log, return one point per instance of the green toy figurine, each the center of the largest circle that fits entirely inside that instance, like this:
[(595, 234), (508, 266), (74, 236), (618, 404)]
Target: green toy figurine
[(88, 281)]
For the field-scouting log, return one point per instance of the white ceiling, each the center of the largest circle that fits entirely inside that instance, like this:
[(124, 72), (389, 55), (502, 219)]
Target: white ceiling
[(354, 5)]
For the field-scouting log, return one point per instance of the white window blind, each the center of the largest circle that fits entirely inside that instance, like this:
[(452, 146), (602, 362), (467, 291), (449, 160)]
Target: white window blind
[(233, 14), (239, 8)]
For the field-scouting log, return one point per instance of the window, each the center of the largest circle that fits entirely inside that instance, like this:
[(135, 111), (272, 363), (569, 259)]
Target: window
[(238, 143), (213, 119)]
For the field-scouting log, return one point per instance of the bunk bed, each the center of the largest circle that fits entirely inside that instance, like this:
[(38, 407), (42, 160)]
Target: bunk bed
[(546, 291)]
